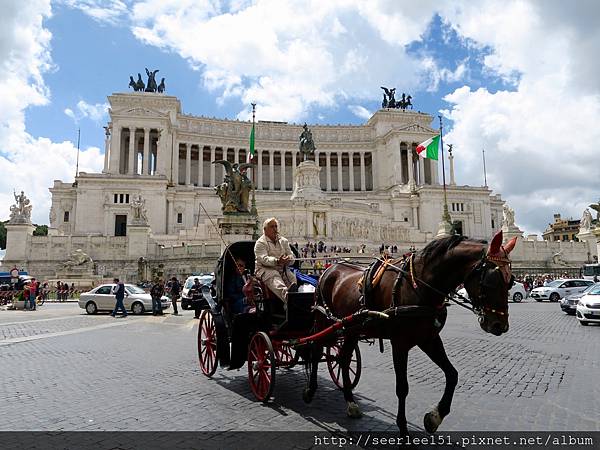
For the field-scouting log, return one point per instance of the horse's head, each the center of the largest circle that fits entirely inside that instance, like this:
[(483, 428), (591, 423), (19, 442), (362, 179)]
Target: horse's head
[(488, 285)]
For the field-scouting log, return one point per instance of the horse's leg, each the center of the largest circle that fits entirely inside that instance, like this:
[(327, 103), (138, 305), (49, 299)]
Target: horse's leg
[(316, 351), (400, 355), (435, 350), (345, 356)]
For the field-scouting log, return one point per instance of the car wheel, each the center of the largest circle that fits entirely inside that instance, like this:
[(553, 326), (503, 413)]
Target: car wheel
[(91, 308), (583, 322), (517, 297), (137, 308), (554, 297)]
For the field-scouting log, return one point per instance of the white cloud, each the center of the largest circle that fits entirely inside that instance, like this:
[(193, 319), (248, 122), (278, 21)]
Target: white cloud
[(96, 113), (103, 11), (360, 111), (24, 52), (289, 56), (539, 138)]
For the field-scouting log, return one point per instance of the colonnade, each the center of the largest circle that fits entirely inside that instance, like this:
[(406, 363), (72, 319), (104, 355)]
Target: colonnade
[(133, 150)]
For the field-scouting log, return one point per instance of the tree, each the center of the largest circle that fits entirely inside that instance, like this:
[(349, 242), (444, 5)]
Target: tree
[(2, 235), (40, 230)]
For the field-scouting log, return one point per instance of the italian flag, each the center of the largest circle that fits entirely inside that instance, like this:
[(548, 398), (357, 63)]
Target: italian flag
[(429, 148), (252, 151)]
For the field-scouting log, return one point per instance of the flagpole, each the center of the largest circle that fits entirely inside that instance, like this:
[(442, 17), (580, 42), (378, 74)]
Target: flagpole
[(445, 228), (253, 209), (77, 164), (484, 171)]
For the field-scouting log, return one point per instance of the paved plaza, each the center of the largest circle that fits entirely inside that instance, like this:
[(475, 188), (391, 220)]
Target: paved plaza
[(64, 370)]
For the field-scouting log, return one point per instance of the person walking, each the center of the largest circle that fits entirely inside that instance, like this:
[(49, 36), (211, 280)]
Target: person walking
[(174, 290), (119, 292), (156, 292)]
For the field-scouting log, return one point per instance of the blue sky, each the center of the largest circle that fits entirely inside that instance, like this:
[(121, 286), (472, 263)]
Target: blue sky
[(489, 68)]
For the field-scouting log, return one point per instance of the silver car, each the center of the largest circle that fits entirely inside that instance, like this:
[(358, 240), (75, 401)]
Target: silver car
[(588, 308), (136, 299), (557, 289)]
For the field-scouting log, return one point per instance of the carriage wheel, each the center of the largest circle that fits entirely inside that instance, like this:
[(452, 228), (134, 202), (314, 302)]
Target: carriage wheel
[(285, 355), (207, 344), (335, 368), (261, 366)]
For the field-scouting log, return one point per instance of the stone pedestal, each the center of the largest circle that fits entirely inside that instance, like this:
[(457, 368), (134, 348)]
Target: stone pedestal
[(509, 232), (236, 227), (17, 237), (444, 229), (596, 232), (137, 240), (307, 184)]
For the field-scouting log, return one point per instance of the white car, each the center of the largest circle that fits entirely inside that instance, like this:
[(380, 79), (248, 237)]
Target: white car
[(516, 293), (136, 299), (588, 308), (557, 289), (186, 299)]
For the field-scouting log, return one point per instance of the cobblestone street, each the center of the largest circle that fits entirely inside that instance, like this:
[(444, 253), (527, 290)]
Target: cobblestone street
[(65, 370)]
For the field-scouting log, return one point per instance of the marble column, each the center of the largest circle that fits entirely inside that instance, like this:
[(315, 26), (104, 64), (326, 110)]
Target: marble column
[(411, 176), (328, 169), (282, 160), (175, 162), (200, 165), (293, 167), (115, 150), (132, 149), (363, 178), (340, 186), (271, 170), (258, 183), (351, 169), (421, 165), (236, 155), (146, 168), (188, 164), (212, 166), (106, 151)]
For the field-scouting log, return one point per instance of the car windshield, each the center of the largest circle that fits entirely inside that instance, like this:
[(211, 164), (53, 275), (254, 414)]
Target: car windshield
[(203, 279), (593, 290), (134, 290), (555, 283)]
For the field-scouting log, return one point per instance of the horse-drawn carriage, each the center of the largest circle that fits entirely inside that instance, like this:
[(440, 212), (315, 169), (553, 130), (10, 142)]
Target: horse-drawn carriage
[(402, 300), (273, 336)]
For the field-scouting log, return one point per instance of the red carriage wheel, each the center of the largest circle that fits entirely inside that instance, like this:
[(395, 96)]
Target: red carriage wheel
[(261, 366), (207, 344), (285, 355), (335, 368)]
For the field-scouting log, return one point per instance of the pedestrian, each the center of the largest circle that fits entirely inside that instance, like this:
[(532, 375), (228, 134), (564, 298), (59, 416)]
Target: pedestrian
[(174, 290), (119, 292), (32, 294), (156, 292)]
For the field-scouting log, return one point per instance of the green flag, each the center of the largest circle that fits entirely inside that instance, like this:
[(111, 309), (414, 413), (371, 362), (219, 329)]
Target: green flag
[(252, 151)]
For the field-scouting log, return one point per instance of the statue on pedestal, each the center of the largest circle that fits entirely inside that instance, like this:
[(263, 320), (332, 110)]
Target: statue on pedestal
[(235, 189), (139, 211), (586, 221), (508, 219), (20, 212), (307, 145)]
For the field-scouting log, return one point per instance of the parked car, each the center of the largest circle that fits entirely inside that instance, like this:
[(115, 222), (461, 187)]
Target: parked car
[(517, 293), (186, 298), (588, 308), (557, 289), (569, 303), (136, 300)]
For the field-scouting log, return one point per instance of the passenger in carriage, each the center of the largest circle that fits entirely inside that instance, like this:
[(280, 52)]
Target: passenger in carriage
[(273, 258), (233, 288)]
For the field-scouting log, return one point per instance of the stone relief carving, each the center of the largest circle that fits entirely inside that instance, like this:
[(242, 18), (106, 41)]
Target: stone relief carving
[(79, 259), (138, 206)]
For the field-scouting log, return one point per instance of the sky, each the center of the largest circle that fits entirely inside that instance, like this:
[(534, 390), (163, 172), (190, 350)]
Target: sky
[(517, 78)]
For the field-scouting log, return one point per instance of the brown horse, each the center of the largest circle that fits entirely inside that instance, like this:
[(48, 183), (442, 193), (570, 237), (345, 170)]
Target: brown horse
[(413, 295)]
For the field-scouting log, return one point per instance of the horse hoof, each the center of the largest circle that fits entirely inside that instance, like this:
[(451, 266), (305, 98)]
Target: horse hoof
[(432, 420), (307, 395), (353, 411)]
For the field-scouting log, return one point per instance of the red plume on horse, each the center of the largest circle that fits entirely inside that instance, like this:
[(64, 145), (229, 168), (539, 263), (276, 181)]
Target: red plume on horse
[(412, 293)]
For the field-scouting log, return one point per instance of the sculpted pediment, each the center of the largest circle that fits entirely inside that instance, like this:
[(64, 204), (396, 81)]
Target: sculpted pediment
[(418, 128), (139, 112)]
